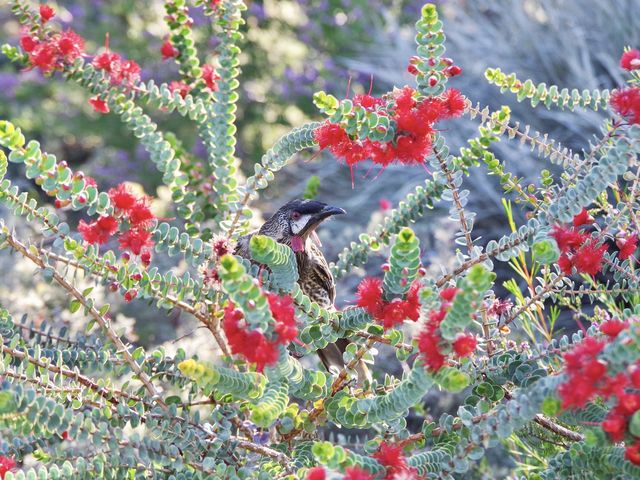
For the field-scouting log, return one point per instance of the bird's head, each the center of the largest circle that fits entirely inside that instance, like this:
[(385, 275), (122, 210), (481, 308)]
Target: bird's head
[(297, 220)]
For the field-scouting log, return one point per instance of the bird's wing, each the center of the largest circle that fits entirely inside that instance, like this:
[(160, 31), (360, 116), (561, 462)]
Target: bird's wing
[(321, 275)]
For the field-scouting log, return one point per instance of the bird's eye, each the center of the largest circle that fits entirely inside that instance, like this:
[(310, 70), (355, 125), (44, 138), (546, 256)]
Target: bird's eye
[(295, 216)]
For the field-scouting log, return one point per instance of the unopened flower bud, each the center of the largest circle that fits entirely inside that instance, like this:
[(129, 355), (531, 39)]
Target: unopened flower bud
[(130, 294), (386, 267), (113, 286), (433, 81)]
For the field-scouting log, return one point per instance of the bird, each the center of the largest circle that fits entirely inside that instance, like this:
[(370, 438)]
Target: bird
[(294, 224)]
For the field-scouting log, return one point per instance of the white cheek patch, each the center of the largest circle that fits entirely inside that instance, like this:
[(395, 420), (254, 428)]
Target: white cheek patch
[(298, 225)]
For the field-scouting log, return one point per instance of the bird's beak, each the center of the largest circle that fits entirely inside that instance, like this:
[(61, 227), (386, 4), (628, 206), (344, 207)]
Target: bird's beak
[(316, 219)]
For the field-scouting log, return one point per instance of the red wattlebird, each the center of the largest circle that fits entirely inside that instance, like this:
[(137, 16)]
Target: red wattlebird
[(295, 224)]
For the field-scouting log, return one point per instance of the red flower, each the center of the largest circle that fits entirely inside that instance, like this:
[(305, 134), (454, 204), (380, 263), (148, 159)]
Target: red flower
[(385, 204), (179, 86), (632, 453), (140, 215), (99, 105), (448, 294), (316, 473), (44, 56), (412, 302), (28, 43), (106, 61), (355, 473), (6, 464), (391, 457), (568, 238), (330, 135), (612, 328), (615, 425), (630, 60), (70, 45), (135, 240), (99, 231), (464, 345), (367, 101), (635, 376), (454, 102), (627, 245), (588, 258), (168, 51), (583, 218), (626, 102), (122, 198), (145, 258), (370, 296), (393, 313), (210, 77), (127, 72), (130, 295), (585, 373), (284, 315), (46, 13)]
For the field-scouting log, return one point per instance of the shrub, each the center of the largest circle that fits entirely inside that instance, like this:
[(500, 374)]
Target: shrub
[(95, 407)]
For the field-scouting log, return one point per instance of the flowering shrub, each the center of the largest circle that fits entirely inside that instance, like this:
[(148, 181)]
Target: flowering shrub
[(571, 404)]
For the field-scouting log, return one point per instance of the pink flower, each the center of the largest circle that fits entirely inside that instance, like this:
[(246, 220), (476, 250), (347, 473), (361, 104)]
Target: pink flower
[(98, 104), (385, 204), (168, 51), (210, 77), (630, 60), (46, 13)]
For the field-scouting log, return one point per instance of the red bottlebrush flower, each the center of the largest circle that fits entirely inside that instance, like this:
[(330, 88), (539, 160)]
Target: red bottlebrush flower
[(316, 473), (122, 198), (140, 215), (128, 73), (145, 258), (179, 86), (565, 264), (429, 342), (284, 315), (355, 473), (588, 258), (330, 135), (44, 56), (221, 245), (385, 204), (367, 102), (28, 43), (628, 403), (99, 231), (585, 373), (70, 45), (615, 425), (583, 218), (130, 295), (626, 102), (392, 458), (370, 296), (135, 240), (210, 77), (612, 328), (464, 345), (46, 13), (106, 61), (454, 103), (627, 246), (99, 105), (632, 453), (6, 465), (568, 238), (630, 60), (168, 51), (448, 294), (392, 313), (412, 302)]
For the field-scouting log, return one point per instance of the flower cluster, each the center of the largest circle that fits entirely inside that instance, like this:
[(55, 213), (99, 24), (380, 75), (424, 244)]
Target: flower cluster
[(51, 51), (254, 345), (390, 313), (430, 343), (131, 213), (626, 101), (578, 249), (6, 465), (413, 117), (586, 378), (391, 457), (209, 75), (121, 72)]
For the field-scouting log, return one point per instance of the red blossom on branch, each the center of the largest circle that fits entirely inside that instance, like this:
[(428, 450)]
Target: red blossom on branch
[(135, 240), (98, 231), (626, 103), (46, 13), (6, 465), (210, 77), (390, 313), (630, 60), (121, 72), (316, 473), (122, 198), (392, 458), (627, 246), (179, 86), (98, 104), (168, 51)]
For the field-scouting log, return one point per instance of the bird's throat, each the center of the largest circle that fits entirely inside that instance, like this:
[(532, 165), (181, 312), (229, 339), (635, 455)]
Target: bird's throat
[(297, 244)]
